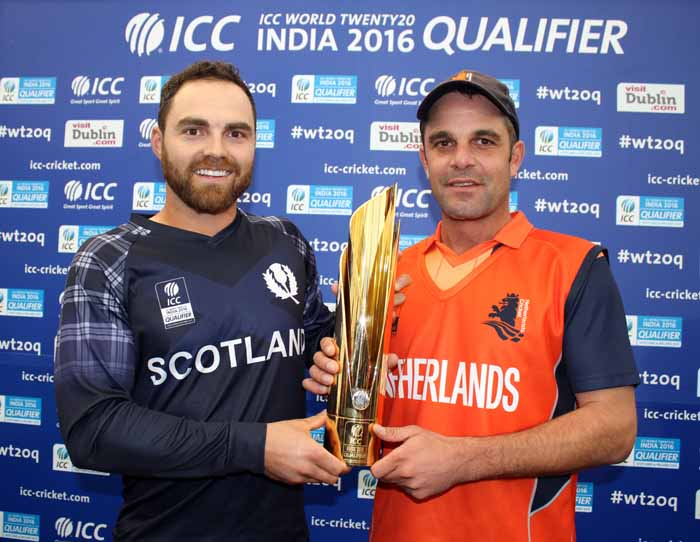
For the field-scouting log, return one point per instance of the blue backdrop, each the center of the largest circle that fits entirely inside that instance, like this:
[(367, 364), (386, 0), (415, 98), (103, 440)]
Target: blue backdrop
[(604, 91)]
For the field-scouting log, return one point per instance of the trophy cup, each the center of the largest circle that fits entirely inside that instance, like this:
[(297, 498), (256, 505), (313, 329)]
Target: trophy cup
[(365, 297)]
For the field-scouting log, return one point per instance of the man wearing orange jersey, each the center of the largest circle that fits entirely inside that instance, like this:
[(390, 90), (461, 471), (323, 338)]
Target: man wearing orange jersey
[(515, 369)]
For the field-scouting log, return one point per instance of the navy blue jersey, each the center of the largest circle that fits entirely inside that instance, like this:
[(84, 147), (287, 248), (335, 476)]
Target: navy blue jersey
[(175, 349)]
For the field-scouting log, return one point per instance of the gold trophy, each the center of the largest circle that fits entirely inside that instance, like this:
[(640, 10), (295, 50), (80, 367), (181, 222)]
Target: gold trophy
[(365, 297)]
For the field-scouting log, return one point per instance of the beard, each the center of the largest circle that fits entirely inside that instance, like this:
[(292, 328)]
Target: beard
[(209, 198)]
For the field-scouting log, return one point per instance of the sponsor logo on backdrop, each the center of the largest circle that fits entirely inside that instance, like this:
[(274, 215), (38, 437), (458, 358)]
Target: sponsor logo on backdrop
[(664, 331), (569, 141), (366, 484), (654, 453), (19, 526), (148, 196), (265, 134), (584, 497), (21, 302), (80, 530), (650, 211), (650, 98), (394, 136), (90, 195), (324, 89), (20, 410), (94, 133), (146, 33), (63, 463), (70, 238), (409, 198), (697, 504), (174, 300), (319, 199), (27, 90), (145, 129), (24, 194), (96, 90), (150, 88), (402, 90), (410, 202)]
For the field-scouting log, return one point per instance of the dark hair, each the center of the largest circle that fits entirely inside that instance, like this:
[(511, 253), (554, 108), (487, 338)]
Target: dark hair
[(513, 139), (204, 69)]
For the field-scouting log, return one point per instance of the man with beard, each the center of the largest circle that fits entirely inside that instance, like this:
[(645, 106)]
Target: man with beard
[(184, 337)]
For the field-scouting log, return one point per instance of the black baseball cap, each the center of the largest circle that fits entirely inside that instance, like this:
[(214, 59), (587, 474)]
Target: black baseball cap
[(489, 86)]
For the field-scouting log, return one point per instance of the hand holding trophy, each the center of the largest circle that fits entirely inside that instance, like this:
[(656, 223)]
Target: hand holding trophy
[(365, 291)]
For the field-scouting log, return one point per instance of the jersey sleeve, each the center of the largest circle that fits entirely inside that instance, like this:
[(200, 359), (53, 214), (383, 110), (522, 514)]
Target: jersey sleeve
[(103, 428), (596, 348)]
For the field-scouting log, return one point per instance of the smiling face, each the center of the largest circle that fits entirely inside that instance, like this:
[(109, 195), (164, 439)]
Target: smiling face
[(208, 145), (468, 159)]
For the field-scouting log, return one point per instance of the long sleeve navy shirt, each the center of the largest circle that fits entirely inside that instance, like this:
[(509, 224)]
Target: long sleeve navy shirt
[(175, 349)]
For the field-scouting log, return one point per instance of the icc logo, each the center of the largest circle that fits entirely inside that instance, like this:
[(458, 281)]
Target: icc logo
[(172, 290), (385, 85), (143, 196), (626, 210), (100, 86), (366, 484), (65, 528), (546, 141), (409, 198), (146, 127), (9, 87), (297, 199), (356, 435), (145, 33), (61, 459), (302, 88), (68, 239), (4, 194), (93, 191)]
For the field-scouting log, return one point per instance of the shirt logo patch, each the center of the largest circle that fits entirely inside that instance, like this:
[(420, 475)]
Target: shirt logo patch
[(174, 301), (280, 280), (509, 318)]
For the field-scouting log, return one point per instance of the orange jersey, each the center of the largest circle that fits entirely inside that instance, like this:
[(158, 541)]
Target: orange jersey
[(483, 358)]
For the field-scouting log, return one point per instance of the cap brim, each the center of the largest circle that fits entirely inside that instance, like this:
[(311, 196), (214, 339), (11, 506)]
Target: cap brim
[(449, 86)]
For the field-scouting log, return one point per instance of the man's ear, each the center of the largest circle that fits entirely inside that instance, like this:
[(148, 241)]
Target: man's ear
[(516, 157), (157, 141)]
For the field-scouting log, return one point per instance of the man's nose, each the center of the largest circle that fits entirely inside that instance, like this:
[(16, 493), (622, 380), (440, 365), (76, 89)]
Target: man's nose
[(463, 156)]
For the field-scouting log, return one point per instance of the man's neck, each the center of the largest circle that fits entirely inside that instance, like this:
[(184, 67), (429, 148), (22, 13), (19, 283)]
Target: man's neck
[(462, 235), (178, 215)]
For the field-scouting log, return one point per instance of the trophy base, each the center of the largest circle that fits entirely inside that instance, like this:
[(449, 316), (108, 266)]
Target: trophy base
[(352, 440)]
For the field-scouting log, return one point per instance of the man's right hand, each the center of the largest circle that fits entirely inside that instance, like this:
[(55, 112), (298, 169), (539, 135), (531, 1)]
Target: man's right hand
[(294, 457)]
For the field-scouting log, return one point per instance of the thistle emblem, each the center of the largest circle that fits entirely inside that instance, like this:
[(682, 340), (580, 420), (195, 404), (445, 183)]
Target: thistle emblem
[(280, 280)]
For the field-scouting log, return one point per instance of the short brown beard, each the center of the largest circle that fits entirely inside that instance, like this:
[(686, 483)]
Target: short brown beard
[(212, 199)]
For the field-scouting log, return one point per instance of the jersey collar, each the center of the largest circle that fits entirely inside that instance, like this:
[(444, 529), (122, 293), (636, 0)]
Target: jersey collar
[(513, 235)]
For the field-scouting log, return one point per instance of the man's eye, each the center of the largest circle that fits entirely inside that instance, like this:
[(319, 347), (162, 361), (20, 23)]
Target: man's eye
[(191, 131)]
